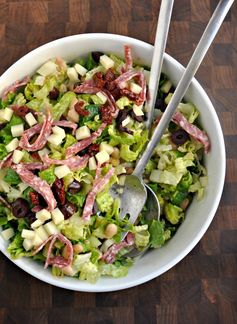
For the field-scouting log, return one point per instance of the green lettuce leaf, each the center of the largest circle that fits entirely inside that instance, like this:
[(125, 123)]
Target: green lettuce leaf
[(61, 107), (12, 177), (15, 248), (48, 175)]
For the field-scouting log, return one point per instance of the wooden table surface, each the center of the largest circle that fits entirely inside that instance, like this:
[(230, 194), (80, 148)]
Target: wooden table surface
[(203, 287)]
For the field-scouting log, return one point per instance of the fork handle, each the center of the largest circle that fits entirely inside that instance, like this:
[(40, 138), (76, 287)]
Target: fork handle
[(196, 59)]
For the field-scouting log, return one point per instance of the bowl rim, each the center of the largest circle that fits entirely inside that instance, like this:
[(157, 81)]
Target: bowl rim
[(157, 272)]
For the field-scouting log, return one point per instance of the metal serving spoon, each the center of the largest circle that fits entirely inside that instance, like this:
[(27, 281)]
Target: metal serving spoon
[(134, 194)]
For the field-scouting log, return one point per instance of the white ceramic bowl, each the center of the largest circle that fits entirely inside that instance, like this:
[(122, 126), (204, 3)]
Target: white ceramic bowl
[(199, 215)]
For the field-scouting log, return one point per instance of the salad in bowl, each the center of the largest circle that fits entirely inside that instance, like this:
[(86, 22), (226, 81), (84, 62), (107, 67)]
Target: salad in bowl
[(68, 133)]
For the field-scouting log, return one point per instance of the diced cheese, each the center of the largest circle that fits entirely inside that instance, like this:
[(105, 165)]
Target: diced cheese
[(135, 88), (39, 80), (106, 147), (72, 74), (27, 244), (126, 121), (123, 85), (37, 240), (102, 97), (47, 68), (59, 131), (28, 234), (137, 110), (73, 115), (17, 130), (80, 69), (102, 157), (36, 223), (57, 216), (6, 114), (7, 234), (43, 152), (30, 119), (42, 233), (12, 145), (92, 163), (51, 228), (106, 62), (17, 156), (55, 139), (155, 175), (61, 171), (43, 215), (83, 132)]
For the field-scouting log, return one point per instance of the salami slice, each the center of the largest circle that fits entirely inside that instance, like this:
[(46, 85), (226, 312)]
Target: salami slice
[(67, 124), (74, 162), (110, 255), (7, 161), (35, 166), (192, 130), (90, 199), (128, 57), (39, 185), (14, 86), (79, 146), (44, 131)]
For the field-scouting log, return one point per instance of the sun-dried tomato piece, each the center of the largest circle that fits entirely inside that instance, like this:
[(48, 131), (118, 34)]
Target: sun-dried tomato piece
[(59, 191), (80, 110), (98, 79), (34, 197), (93, 149), (110, 75), (107, 114), (35, 156), (21, 111), (129, 94)]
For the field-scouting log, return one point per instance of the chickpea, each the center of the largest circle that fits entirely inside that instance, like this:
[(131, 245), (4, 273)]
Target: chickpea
[(111, 230), (77, 248), (115, 154), (66, 252)]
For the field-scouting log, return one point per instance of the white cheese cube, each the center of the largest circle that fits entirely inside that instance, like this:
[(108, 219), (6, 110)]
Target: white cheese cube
[(41, 232), (30, 119), (27, 244), (43, 152), (73, 115), (61, 171), (36, 223), (135, 88), (59, 131), (72, 74), (106, 147), (137, 110), (17, 156), (28, 234), (92, 163), (17, 130), (7, 234), (155, 175), (47, 68), (106, 62), (6, 114), (39, 80), (51, 228), (123, 85), (102, 157), (80, 69), (102, 97), (55, 139), (37, 240), (12, 145), (57, 216), (43, 215), (83, 132), (126, 121)]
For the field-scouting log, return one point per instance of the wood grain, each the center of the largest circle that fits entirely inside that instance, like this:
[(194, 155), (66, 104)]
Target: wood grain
[(203, 287)]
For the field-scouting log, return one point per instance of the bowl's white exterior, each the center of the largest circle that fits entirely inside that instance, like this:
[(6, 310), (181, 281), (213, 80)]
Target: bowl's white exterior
[(199, 215)]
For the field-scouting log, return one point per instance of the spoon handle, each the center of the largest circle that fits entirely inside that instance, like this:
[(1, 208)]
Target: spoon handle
[(158, 55), (196, 59)]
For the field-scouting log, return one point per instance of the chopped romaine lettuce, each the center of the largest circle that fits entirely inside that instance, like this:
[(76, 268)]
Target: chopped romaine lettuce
[(61, 107), (48, 175), (12, 177)]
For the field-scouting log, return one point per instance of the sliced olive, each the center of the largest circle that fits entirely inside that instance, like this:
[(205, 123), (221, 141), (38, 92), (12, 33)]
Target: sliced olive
[(96, 56), (179, 137), (53, 94), (68, 209), (160, 104), (20, 207), (74, 187)]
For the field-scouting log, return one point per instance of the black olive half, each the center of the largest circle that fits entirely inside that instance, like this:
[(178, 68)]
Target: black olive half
[(20, 208), (179, 137)]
